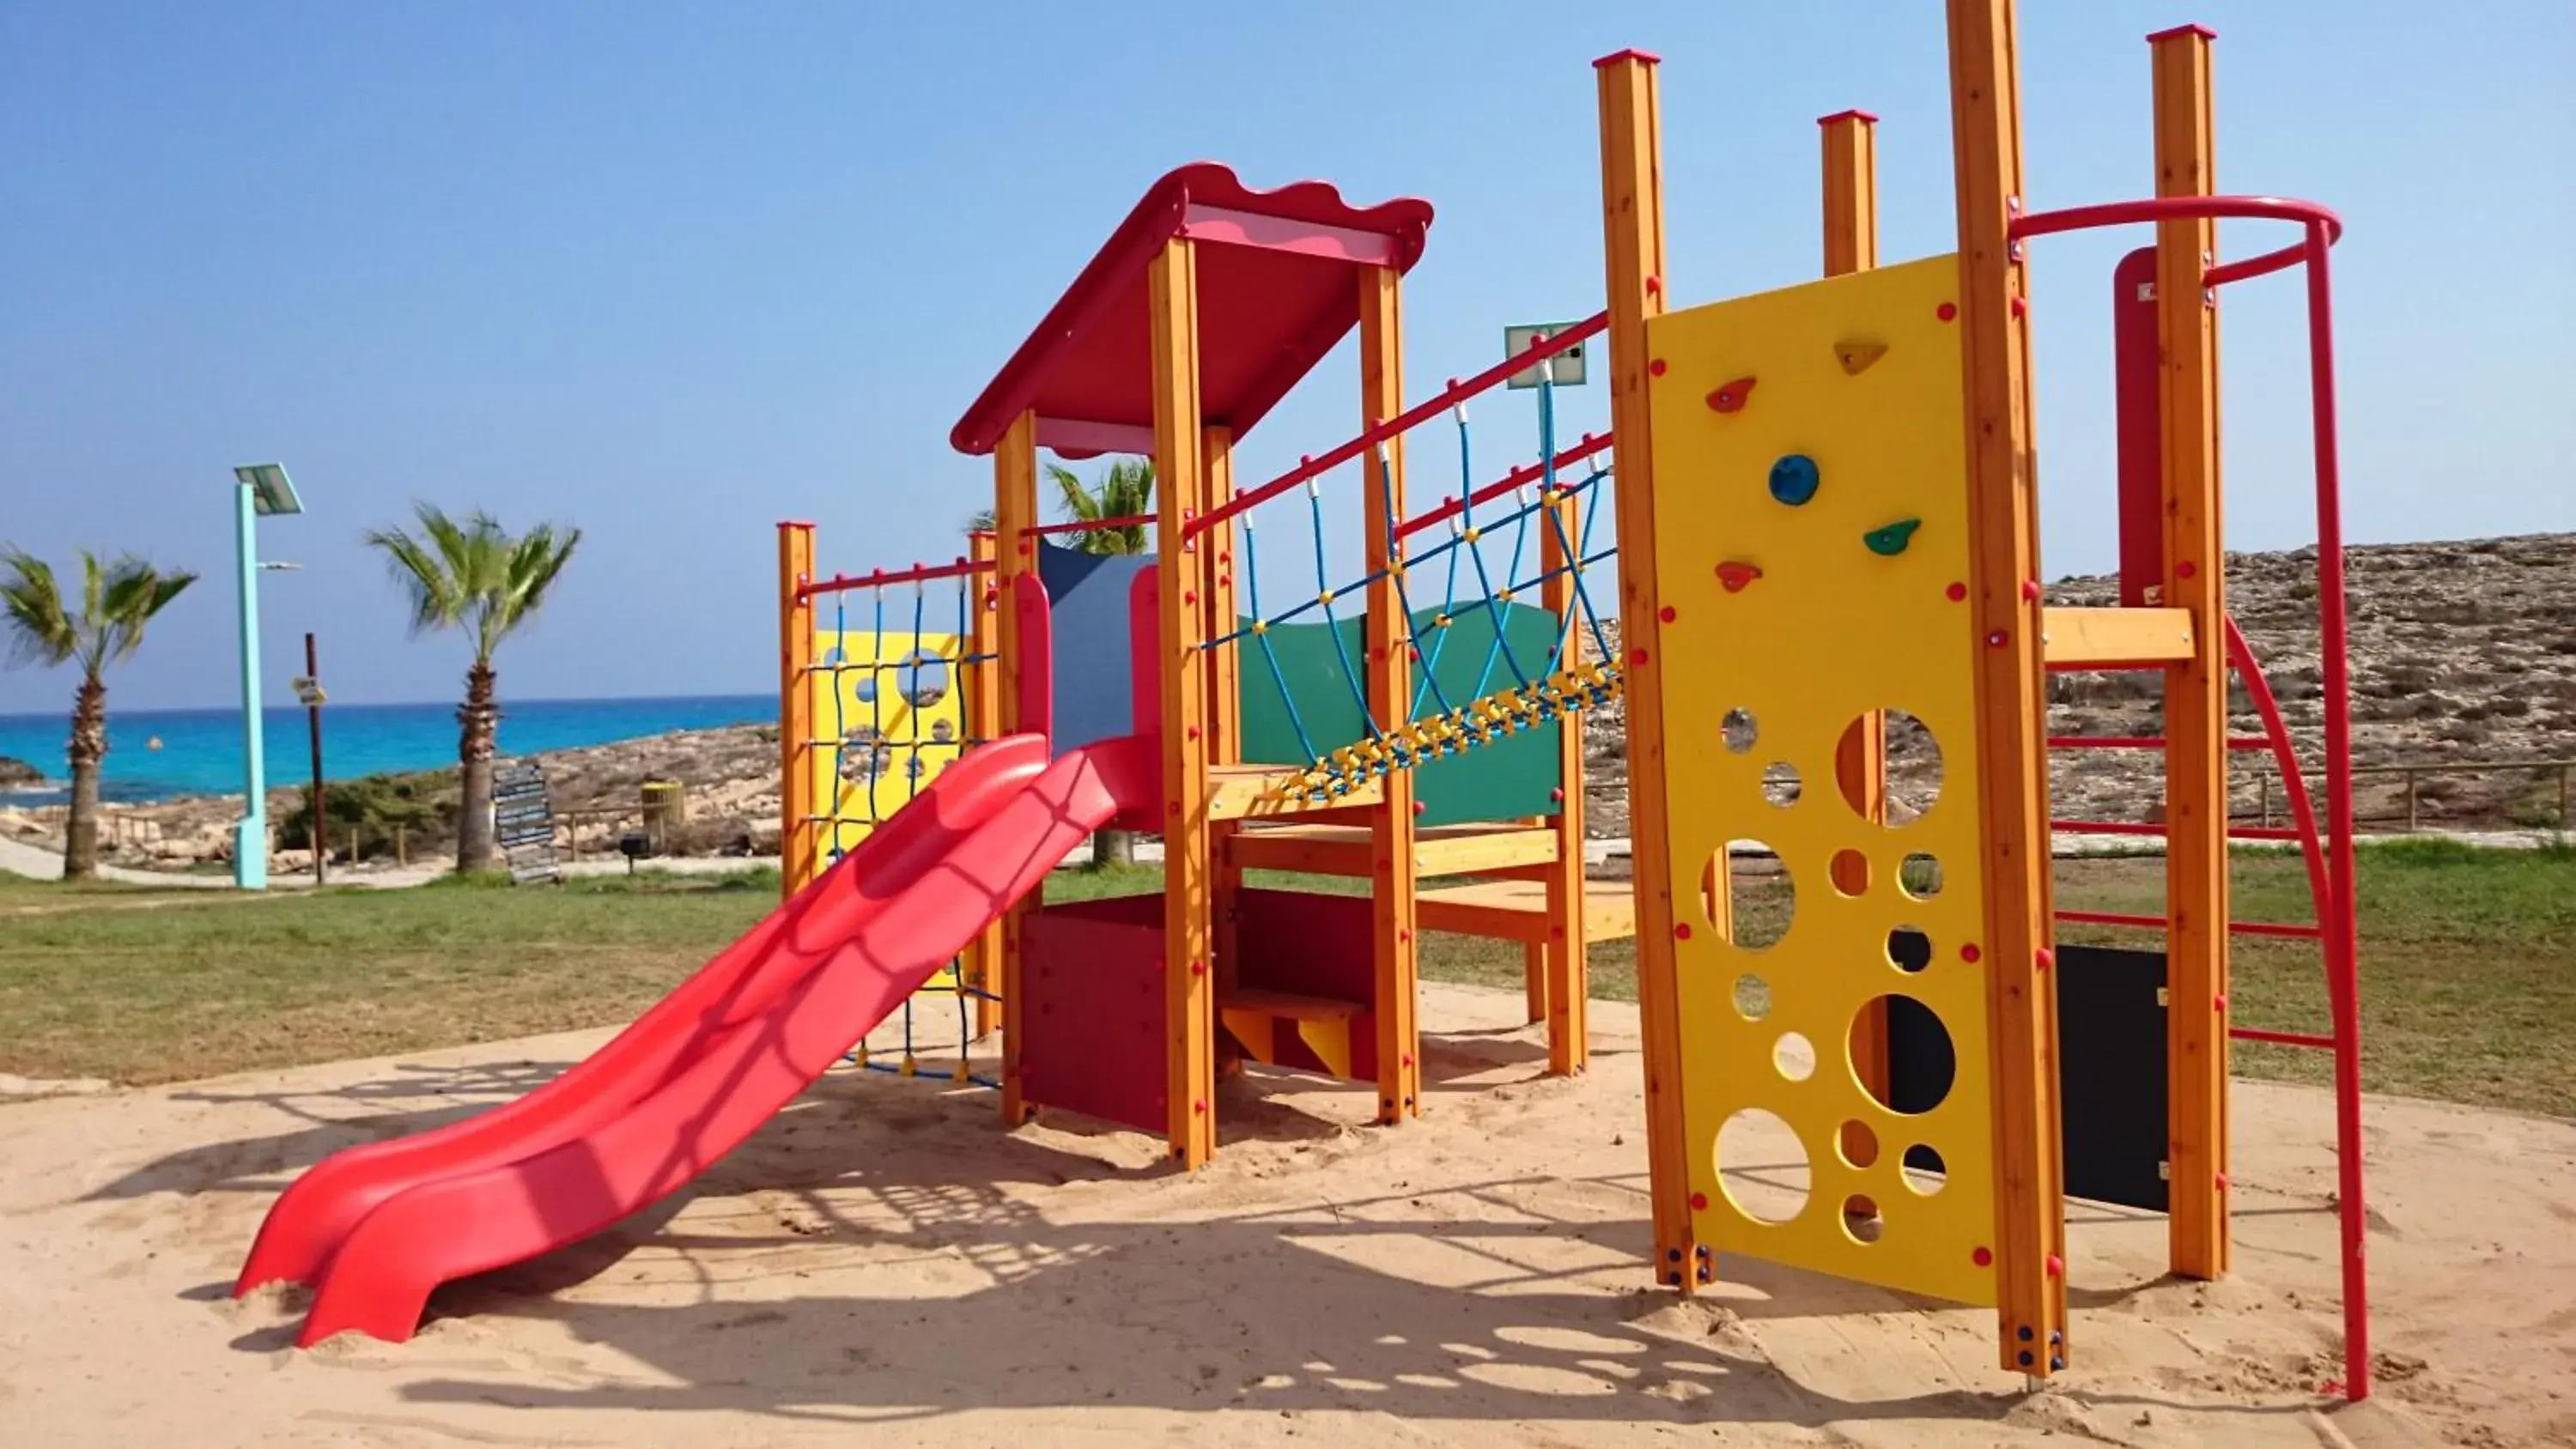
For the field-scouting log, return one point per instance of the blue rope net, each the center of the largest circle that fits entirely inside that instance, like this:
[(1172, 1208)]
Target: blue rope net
[(863, 759), (1510, 694)]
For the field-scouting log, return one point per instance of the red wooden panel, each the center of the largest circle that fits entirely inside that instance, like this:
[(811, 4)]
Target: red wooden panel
[(2137, 360), (1091, 985)]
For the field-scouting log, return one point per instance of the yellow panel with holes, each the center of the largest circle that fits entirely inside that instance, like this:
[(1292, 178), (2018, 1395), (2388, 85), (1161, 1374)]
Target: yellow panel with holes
[(888, 717), (1812, 537)]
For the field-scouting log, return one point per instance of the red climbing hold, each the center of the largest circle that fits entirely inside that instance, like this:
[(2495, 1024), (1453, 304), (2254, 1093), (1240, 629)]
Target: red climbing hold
[(1735, 574), (1730, 396)]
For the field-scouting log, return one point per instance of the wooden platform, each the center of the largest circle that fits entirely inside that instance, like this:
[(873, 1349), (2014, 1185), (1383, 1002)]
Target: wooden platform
[(1252, 792), (1463, 849), (1516, 910)]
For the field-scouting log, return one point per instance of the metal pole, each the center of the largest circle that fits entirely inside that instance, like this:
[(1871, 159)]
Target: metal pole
[(250, 833), (313, 719)]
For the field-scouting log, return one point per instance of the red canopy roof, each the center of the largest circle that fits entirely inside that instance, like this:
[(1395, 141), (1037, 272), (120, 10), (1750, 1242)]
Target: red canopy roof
[(1276, 292)]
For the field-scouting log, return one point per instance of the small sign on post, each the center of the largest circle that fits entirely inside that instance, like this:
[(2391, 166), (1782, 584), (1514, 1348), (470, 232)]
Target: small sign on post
[(308, 692), (1563, 370)]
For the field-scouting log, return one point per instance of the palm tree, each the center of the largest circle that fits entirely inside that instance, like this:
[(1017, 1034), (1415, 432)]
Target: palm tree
[(473, 575), (1125, 489), (103, 626)]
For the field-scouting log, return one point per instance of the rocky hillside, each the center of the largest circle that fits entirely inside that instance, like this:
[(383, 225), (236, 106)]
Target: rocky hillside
[(2462, 653)]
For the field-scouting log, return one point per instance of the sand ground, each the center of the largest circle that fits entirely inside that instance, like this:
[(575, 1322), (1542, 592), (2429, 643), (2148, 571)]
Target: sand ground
[(883, 1265)]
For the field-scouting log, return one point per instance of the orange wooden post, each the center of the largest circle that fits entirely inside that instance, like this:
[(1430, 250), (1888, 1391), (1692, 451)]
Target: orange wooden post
[(1562, 991), (795, 709), (2196, 904), (1632, 220), (2021, 998), (1850, 141), (1225, 700), (1015, 510), (1189, 937), (1393, 878), (982, 682)]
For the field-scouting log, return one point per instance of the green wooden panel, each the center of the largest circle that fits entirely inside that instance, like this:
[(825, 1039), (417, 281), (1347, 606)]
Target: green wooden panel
[(1516, 776)]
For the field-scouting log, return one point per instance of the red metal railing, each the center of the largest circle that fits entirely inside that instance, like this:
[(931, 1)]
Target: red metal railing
[(1519, 477), (881, 578), (2330, 860), (1318, 464)]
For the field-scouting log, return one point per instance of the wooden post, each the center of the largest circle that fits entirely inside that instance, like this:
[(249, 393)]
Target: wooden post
[(402, 845), (1189, 913), (1860, 758), (795, 710), (1015, 510), (1388, 634), (981, 680), (1561, 988), (1224, 702), (1632, 221), (2021, 999), (2196, 905)]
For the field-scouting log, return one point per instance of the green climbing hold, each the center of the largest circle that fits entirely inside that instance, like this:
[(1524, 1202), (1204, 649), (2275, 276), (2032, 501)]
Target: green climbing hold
[(1890, 540)]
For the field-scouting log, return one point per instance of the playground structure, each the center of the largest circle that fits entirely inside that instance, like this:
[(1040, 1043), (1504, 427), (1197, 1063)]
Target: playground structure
[(1824, 506)]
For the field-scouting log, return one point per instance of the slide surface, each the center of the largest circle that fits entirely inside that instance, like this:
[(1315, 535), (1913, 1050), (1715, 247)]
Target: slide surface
[(375, 1228)]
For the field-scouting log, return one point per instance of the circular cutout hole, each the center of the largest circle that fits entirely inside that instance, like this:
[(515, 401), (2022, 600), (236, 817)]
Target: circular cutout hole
[(1858, 1143), (943, 732), (1738, 731), (922, 679), (1913, 766), (1752, 997), (1793, 1056), (1924, 1172), (1921, 1044), (1908, 949), (1861, 1219), (1919, 875), (1762, 1167), (1760, 896), (1780, 783), (1850, 871)]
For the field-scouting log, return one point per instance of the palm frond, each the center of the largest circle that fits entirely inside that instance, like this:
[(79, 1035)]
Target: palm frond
[(1080, 502), (41, 630), (135, 592), (425, 567), (530, 567)]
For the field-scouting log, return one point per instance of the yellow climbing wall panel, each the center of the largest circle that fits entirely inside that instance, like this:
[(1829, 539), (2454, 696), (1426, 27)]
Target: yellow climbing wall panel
[(890, 711), (1811, 530)]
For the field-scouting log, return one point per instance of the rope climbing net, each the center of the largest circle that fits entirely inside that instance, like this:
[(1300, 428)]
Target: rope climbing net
[(1513, 689), (899, 683)]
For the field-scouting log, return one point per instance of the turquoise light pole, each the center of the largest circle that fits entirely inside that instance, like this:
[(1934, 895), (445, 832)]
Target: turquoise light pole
[(261, 488)]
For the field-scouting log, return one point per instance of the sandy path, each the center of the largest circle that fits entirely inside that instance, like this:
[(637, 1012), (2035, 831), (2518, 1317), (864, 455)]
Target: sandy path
[(882, 1255)]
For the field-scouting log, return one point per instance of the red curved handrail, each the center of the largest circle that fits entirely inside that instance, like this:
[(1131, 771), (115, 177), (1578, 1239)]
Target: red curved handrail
[(2173, 208), (2294, 786)]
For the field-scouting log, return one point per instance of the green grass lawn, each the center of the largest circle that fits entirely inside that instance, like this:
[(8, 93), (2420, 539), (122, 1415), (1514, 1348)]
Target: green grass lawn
[(2468, 965)]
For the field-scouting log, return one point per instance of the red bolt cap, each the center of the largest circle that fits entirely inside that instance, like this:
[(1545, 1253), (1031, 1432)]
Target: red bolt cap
[(1199, 1106), (2056, 1266), (1682, 932), (1969, 952), (1655, 368), (2030, 590), (1983, 1257), (1419, 807), (1636, 656), (1198, 968), (1408, 1059), (2020, 307), (1947, 311), (1557, 794), (2044, 957), (2218, 1004), (1699, 1202), (1996, 640), (2222, 1182), (2185, 569), (1955, 592), (1668, 613), (1654, 285)]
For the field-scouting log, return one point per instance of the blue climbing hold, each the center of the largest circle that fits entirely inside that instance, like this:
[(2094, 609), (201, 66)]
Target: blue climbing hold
[(1890, 540), (1793, 479)]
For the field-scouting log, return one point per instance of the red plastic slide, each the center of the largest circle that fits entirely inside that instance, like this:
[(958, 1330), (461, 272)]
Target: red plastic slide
[(375, 1228)]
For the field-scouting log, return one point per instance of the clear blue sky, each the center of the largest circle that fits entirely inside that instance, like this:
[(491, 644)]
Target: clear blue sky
[(673, 272)]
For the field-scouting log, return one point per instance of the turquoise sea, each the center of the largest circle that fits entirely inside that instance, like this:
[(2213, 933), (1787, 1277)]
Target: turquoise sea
[(161, 754)]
